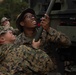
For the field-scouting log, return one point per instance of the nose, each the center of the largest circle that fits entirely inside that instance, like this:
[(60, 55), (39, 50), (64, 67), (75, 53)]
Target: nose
[(33, 18)]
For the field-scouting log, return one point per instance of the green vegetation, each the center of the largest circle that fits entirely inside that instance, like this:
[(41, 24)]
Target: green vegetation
[(11, 8)]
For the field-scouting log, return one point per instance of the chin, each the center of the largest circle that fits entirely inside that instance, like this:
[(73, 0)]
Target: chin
[(33, 26)]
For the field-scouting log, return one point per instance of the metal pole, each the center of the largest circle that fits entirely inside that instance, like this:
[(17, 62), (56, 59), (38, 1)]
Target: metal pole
[(47, 12)]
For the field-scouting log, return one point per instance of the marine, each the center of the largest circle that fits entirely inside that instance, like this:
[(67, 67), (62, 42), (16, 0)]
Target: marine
[(22, 60)]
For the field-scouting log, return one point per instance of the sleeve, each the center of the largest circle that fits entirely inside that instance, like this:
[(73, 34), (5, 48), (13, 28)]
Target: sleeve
[(58, 37), (26, 60), (2, 56), (3, 51), (35, 60)]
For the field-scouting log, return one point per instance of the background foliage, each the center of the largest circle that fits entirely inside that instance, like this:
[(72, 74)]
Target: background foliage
[(11, 9)]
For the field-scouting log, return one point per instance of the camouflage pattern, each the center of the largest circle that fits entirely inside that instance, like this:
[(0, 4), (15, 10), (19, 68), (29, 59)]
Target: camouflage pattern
[(3, 29), (57, 37), (15, 31), (22, 39), (51, 36), (23, 60), (50, 42), (4, 19)]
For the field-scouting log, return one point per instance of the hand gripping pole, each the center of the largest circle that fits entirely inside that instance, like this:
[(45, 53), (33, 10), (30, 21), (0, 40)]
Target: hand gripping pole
[(47, 12)]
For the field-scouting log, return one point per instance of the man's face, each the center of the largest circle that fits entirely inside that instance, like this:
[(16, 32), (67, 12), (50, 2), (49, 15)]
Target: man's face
[(29, 21), (8, 36), (6, 23)]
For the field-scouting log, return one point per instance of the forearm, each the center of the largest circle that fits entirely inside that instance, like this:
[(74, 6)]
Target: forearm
[(56, 36)]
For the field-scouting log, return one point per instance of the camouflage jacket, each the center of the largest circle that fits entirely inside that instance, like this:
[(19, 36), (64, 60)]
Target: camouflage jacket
[(15, 31), (50, 42), (23, 60), (52, 36)]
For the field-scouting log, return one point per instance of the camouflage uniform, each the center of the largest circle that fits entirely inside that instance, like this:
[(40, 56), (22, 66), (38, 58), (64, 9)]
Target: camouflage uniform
[(23, 60), (52, 35), (50, 42), (15, 31), (4, 29)]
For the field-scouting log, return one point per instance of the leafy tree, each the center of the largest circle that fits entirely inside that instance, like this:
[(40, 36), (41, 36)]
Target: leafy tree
[(11, 8)]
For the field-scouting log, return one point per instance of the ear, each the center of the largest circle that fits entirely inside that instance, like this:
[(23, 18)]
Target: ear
[(22, 23), (2, 39)]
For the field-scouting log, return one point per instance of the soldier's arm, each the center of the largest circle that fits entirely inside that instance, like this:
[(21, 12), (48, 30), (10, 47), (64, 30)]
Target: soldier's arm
[(59, 37), (26, 60), (35, 60)]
